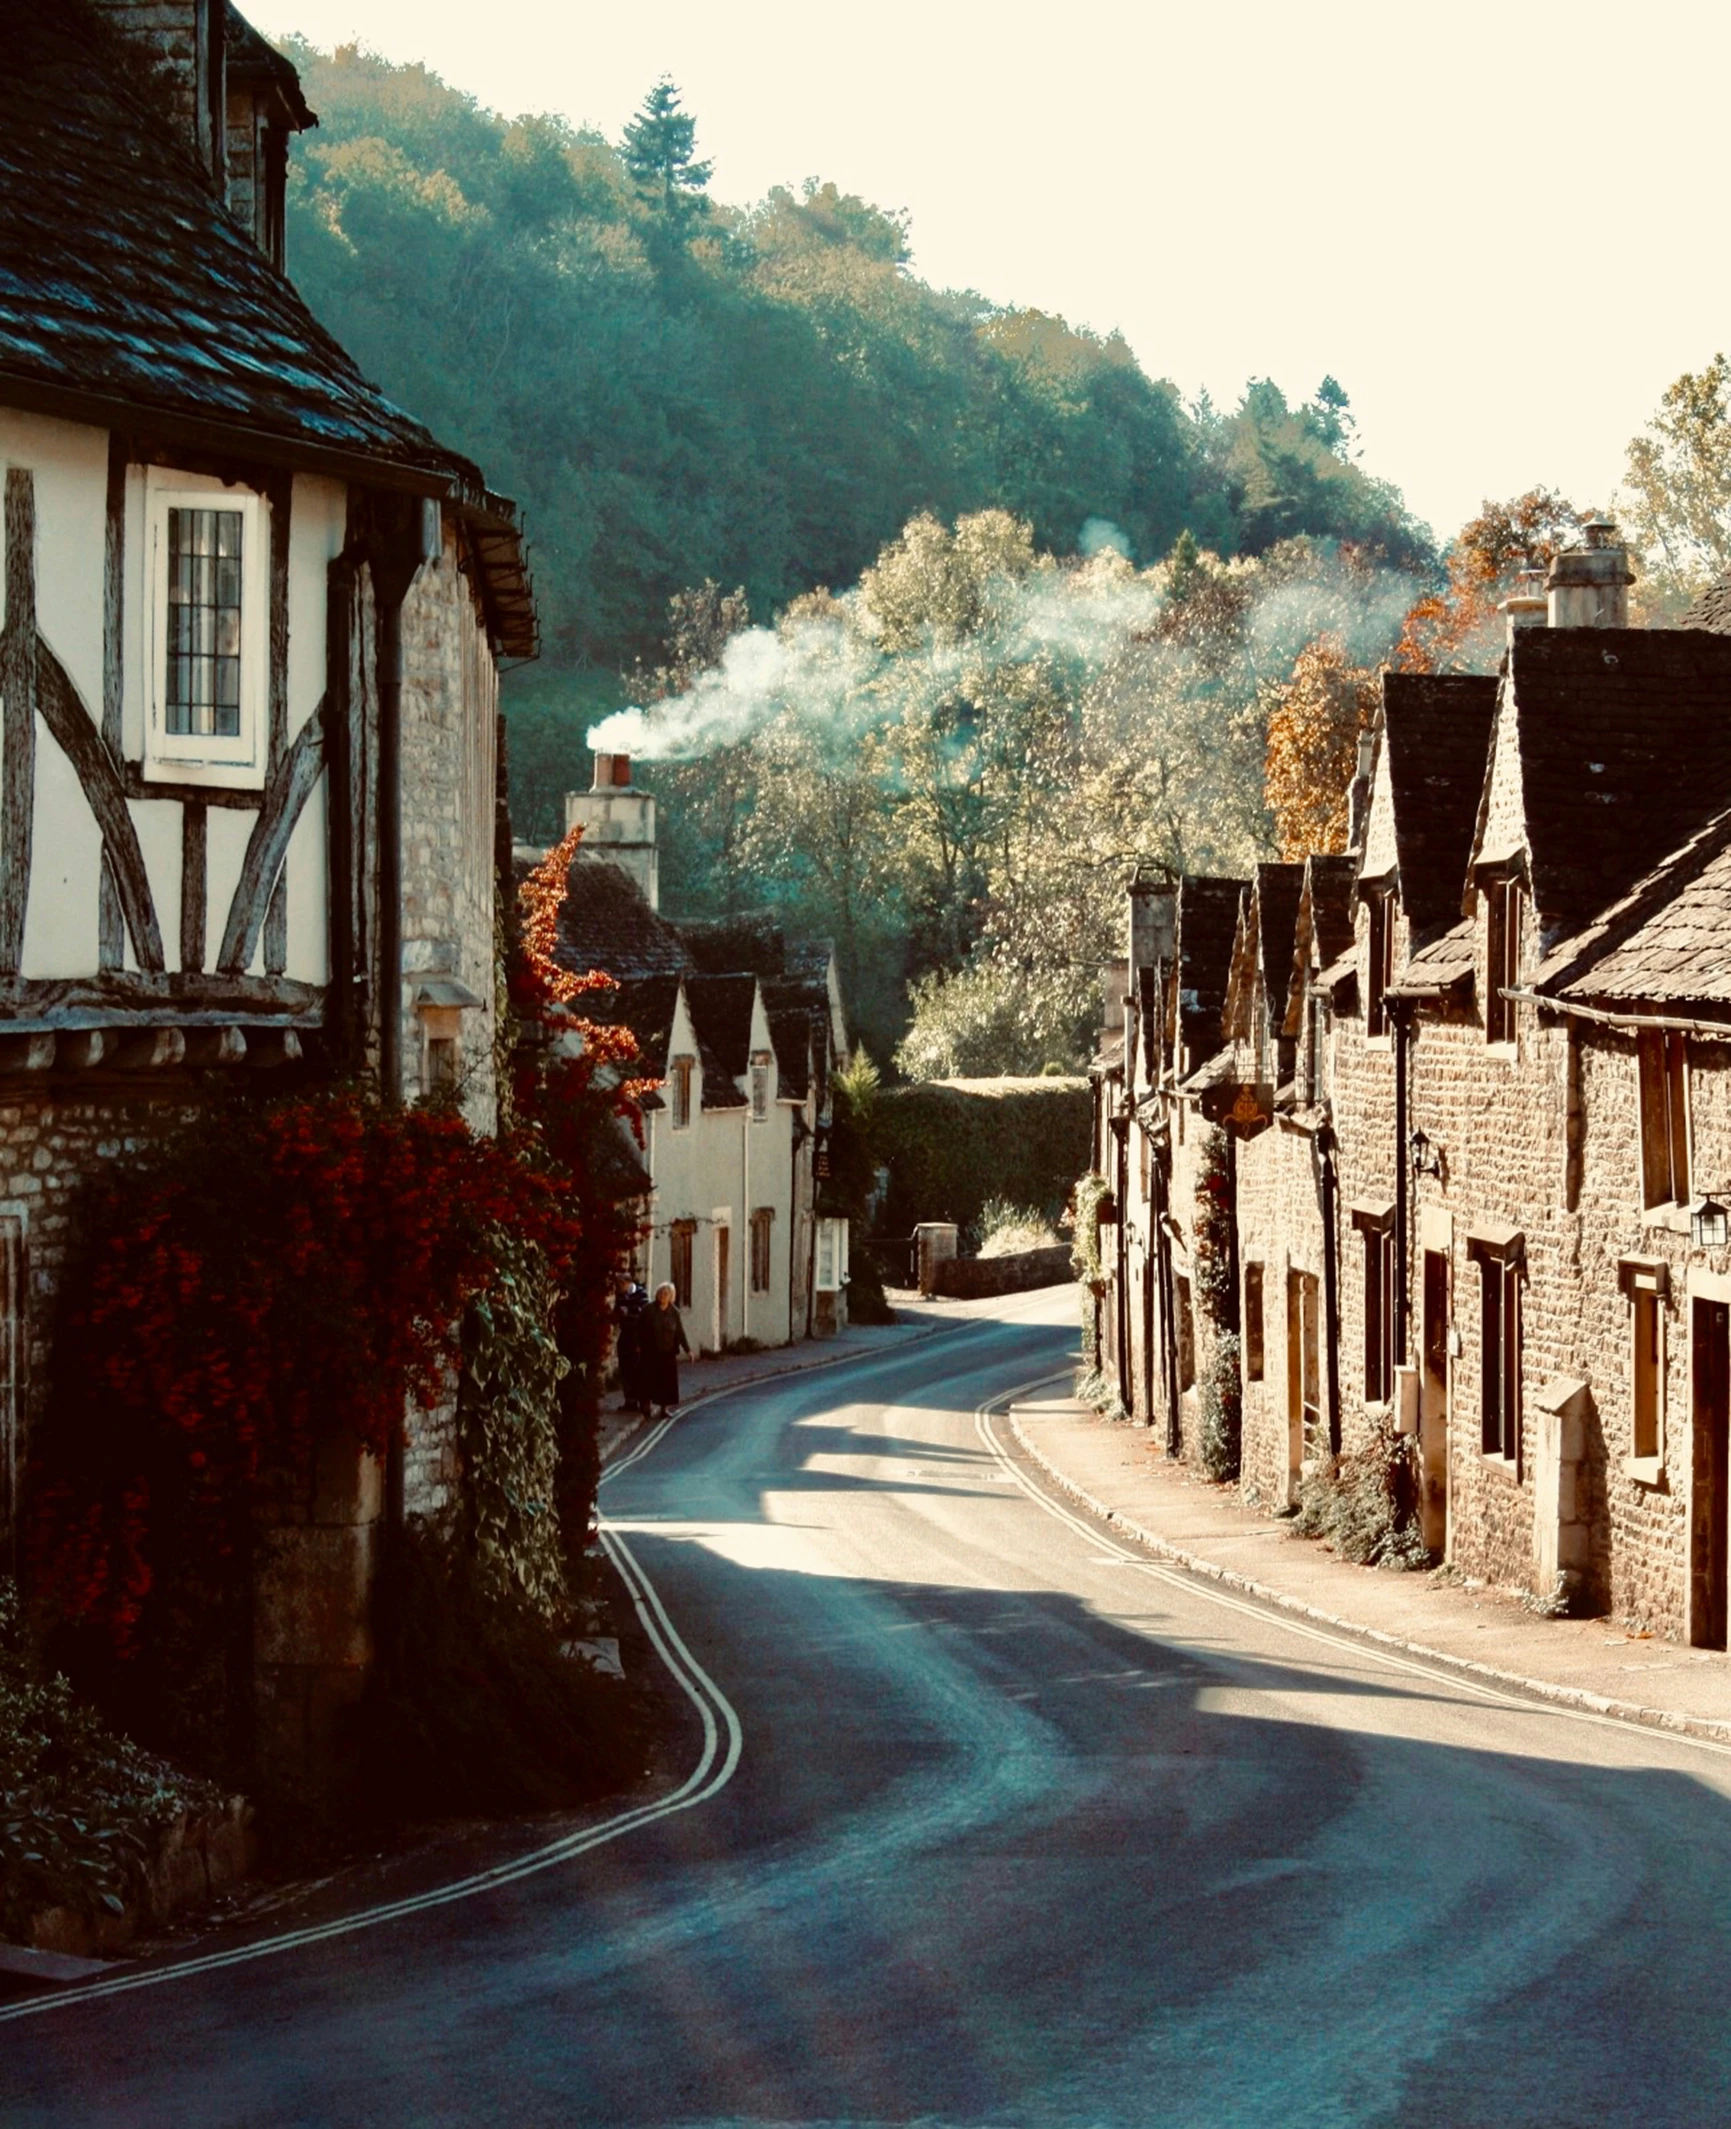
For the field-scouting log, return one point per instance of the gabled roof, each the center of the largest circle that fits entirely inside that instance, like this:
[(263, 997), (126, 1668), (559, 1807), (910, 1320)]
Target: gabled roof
[(254, 61), (1436, 736), (1207, 925), (721, 1012), (1278, 889), (1442, 965), (1624, 745), (128, 290), (646, 1005), (1668, 942), (1323, 931)]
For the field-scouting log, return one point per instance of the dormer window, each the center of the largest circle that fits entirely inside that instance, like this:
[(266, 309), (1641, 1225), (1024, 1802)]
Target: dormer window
[(1504, 919), (207, 619), (1379, 905)]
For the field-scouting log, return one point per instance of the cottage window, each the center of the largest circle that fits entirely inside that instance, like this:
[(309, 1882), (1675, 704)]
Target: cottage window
[(679, 1073), (1186, 1336), (680, 1238), (207, 623), (762, 1229), (1504, 917), (1379, 904), (1664, 1076), (1378, 1314), (1313, 1012), (1500, 1355), (1646, 1322), (760, 1063), (1253, 1355), (439, 1073)]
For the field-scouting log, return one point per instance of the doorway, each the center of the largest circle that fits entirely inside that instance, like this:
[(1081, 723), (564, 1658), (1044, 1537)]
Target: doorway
[(1305, 1433), (723, 1287), (1433, 1406), (1709, 1527)]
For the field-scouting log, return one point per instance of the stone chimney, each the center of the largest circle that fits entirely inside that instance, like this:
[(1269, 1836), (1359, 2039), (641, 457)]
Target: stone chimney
[(1358, 792), (1589, 586), (618, 823), (185, 42)]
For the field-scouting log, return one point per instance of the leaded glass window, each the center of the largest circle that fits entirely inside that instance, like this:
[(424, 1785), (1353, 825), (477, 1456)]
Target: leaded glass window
[(202, 688)]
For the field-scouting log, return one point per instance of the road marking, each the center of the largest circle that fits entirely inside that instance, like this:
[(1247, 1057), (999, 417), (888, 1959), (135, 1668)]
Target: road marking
[(723, 1742), (1108, 1553)]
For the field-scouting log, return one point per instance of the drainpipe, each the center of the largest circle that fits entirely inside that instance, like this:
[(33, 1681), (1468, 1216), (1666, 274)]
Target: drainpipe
[(1399, 1018), (1121, 1294), (1330, 1184), (1168, 1314)]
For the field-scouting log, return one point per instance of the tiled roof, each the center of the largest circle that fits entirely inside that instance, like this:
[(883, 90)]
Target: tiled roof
[(126, 287), (1207, 926), (252, 58), (1712, 610), (1438, 966), (607, 923), (644, 1004), (1625, 753), (1666, 943), (616, 1161), (1436, 730)]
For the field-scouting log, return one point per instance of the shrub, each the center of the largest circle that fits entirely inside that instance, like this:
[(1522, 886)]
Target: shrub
[(949, 1145), (1005, 1230), (1223, 1410), (1364, 1505), (81, 1807)]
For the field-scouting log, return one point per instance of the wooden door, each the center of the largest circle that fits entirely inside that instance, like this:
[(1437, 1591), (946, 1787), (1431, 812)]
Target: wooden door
[(1709, 1525), (723, 1285), (1434, 1402), (1305, 1424)]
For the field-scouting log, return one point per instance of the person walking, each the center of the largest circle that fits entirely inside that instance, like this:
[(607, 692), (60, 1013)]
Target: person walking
[(630, 1306), (663, 1342)]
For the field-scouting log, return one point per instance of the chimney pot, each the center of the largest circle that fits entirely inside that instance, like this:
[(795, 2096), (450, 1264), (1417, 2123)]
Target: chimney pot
[(612, 772)]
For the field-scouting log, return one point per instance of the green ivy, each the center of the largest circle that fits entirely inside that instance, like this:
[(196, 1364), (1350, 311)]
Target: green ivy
[(507, 1428)]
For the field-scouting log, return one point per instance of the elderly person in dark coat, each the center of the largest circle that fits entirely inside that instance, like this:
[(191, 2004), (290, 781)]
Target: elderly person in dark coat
[(630, 1306), (663, 1342)]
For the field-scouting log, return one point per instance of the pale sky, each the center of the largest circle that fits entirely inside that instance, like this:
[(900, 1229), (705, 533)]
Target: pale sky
[(1501, 228)]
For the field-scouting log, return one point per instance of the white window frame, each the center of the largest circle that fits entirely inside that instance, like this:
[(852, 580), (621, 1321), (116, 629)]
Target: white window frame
[(760, 1064), (197, 757)]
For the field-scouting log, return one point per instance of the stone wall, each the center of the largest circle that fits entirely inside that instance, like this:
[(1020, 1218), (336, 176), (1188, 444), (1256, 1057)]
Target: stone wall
[(972, 1278)]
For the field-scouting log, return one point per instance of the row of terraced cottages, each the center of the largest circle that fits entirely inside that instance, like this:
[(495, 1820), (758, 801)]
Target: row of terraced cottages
[(1433, 1139)]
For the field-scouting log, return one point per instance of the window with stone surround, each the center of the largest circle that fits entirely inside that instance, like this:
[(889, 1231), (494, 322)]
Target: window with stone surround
[(1186, 1335), (1499, 1348), (1646, 1282), (760, 1064), (1505, 903), (1253, 1353), (762, 1233), (1379, 904), (1375, 1224), (1663, 1068)]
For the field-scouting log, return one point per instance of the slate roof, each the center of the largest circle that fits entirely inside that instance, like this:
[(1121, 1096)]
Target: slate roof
[(1625, 752), (616, 1161), (1436, 732), (1278, 891), (1440, 965), (1712, 610), (251, 59), (1207, 926), (126, 287), (1666, 943)]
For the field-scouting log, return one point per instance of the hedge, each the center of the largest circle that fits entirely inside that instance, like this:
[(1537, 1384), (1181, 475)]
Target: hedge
[(950, 1144)]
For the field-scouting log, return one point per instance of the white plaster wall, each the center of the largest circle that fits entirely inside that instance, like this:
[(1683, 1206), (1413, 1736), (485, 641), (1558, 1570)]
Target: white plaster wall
[(60, 920), (226, 831), (307, 870), (159, 824), (70, 463)]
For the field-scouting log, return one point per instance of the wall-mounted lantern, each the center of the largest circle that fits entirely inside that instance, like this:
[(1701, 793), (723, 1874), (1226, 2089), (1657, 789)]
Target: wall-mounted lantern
[(1709, 1223), (1426, 1154)]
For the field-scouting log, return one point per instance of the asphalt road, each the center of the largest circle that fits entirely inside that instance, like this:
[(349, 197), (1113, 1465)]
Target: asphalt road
[(988, 1821)]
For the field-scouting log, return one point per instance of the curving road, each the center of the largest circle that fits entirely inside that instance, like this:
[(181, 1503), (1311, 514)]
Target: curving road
[(984, 1819)]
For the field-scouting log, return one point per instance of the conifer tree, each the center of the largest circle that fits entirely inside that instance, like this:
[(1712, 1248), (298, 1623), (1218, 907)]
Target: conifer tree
[(660, 156)]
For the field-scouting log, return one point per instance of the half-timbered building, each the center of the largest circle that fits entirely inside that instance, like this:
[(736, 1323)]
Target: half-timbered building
[(252, 620)]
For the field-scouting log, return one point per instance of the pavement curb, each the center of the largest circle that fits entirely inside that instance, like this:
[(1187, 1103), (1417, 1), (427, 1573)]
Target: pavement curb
[(1627, 1711)]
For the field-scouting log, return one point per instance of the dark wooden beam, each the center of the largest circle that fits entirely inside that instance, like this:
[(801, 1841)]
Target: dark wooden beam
[(267, 847), (83, 1049), (110, 920), (280, 494), (18, 724), (154, 1050), (194, 830), (136, 784), (209, 1048)]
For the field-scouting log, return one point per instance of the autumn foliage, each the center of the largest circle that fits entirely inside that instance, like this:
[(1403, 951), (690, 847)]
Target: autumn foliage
[(1312, 746)]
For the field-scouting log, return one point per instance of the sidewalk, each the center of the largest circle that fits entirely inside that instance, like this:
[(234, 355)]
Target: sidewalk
[(916, 1320), (1120, 1472)]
